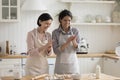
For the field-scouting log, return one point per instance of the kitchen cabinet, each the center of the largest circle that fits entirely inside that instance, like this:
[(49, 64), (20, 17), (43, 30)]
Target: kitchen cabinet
[(9, 10), (51, 62), (23, 61), (9, 66), (91, 10), (111, 66), (109, 63), (88, 65)]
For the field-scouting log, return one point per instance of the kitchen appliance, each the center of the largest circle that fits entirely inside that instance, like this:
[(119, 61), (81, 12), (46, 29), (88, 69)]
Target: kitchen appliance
[(117, 49), (83, 47)]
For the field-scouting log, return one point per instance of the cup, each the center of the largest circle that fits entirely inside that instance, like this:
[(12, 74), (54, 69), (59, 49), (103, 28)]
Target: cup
[(107, 19)]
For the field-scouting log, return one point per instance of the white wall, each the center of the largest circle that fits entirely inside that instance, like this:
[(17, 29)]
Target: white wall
[(100, 38)]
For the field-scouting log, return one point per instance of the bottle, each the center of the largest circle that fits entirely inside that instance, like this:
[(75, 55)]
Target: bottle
[(7, 47), (14, 49), (11, 49), (98, 72)]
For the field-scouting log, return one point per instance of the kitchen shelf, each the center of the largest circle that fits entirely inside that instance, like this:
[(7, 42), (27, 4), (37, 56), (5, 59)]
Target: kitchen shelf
[(8, 20), (97, 24), (78, 1)]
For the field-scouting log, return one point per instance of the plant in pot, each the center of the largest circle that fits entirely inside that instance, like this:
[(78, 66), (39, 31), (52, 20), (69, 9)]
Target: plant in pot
[(116, 12)]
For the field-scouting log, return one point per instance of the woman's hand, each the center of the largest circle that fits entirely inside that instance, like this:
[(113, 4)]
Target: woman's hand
[(49, 46), (74, 41), (70, 39)]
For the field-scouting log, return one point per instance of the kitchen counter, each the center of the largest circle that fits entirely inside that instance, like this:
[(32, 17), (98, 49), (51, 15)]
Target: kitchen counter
[(107, 54), (12, 56), (102, 77), (84, 77)]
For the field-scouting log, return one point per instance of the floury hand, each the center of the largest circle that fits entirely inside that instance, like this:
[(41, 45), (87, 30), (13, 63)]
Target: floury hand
[(71, 38)]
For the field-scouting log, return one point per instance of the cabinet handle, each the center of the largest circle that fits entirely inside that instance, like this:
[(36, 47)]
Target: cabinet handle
[(51, 64), (92, 59), (115, 61), (105, 58), (10, 70)]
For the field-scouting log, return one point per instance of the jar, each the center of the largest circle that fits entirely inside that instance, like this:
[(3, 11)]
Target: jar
[(98, 71), (116, 12), (88, 18), (107, 19), (98, 18)]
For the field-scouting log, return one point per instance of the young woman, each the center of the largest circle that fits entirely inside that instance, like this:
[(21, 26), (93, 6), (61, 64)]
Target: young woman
[(39, 45), (66, 42)]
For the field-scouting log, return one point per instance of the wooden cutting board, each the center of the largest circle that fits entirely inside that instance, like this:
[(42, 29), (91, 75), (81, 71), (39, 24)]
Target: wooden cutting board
[(110, 52)]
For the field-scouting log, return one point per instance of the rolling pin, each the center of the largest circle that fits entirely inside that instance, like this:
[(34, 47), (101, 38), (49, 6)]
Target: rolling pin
[(40, 76)]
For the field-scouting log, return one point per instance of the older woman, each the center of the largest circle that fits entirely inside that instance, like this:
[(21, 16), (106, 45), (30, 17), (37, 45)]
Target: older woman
[(66, 42), (39, 44)]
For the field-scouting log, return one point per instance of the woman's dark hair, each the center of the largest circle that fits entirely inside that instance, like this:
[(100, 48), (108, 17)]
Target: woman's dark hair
[(44, 17), (64, 13)]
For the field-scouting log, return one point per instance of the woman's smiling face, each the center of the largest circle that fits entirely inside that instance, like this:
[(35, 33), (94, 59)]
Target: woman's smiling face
[(65, 22), (45, 24)]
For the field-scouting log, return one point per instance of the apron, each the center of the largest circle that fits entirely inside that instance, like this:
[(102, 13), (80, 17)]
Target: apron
[(67, 62), (36, 65)]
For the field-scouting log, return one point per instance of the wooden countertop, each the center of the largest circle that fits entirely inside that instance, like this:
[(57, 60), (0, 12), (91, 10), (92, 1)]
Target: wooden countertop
[(102, 77), (84, 77), (108, 54), (12, 56)]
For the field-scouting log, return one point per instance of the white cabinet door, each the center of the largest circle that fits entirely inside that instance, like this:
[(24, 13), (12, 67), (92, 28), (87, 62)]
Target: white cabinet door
[(9, 10), (23, 61), (7, 66), (88, 65), (112, 67), (51, 62)]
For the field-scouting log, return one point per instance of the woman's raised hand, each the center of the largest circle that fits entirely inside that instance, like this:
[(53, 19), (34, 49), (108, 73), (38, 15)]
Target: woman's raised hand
[(49, 45), (71, 38)]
